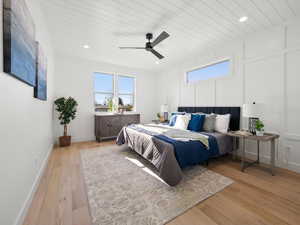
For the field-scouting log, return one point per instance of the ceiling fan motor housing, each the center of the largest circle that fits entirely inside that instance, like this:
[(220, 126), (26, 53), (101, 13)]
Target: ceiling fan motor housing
[(148, 46), (149, 36)]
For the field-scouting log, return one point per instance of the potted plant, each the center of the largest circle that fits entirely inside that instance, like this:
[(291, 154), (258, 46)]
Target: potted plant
[(112, 105), (259, 127), (67, 111)]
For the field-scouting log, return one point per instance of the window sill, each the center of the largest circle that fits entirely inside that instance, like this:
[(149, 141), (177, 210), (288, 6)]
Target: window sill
[(111, 113)]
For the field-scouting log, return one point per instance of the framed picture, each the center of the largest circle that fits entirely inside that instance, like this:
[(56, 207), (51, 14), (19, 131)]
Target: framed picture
[(19, 44), (40, 90)]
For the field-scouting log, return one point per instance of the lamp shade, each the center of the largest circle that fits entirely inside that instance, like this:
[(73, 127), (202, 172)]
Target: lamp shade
[(164, 108), (252, 110)]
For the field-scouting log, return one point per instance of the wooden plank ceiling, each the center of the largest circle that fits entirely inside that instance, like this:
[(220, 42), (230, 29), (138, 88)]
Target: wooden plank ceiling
[(193, 25)]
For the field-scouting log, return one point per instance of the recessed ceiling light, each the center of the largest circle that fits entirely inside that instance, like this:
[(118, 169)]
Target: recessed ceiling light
[(86, 46), (243, 19), (157, 62)]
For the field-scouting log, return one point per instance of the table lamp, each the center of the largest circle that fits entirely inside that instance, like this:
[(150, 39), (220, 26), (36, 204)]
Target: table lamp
[(164, 109), (252, 112)]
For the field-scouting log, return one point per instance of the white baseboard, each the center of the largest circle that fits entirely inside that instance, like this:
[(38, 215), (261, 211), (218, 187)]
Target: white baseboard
[(78, 139), (23, 212), (294, 166), (266, 159)]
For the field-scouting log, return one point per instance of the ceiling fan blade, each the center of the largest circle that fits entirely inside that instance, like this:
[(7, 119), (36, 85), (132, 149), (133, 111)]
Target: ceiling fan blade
[(160, 38), (132, 47), (157, 54)]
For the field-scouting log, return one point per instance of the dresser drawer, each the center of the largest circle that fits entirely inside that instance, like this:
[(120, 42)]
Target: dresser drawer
[(109, 126), (104, 126), (130, 119)]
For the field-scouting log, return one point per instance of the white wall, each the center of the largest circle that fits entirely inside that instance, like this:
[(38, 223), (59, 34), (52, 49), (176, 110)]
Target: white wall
[(264, 69), (74, 77), (26, 133)]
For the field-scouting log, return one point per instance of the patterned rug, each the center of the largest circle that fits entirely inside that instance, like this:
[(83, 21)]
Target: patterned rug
[(123, 190)]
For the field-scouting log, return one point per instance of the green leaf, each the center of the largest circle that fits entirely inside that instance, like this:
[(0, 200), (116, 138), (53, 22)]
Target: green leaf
[(66, 109)]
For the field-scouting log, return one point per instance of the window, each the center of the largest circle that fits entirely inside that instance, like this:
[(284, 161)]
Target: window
[(104, 91), (219, 69), (126, 92), (110, 88)]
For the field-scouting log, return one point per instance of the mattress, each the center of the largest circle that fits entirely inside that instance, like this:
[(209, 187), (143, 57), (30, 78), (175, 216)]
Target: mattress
[(225, 142), (164, 154)]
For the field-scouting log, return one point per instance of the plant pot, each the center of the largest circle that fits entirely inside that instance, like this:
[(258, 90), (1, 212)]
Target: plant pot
[(64, 141), (162, 119), (260, 133)]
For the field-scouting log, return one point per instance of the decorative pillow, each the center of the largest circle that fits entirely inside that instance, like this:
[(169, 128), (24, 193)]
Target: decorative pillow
[(222, 123), (172, 120), (196, 122), (209, 123), (182, 122)]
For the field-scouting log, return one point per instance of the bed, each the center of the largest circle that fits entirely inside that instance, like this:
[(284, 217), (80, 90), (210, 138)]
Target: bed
[(167, 149)]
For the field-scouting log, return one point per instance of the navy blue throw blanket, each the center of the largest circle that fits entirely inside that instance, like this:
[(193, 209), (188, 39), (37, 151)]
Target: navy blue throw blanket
[(188, 153)]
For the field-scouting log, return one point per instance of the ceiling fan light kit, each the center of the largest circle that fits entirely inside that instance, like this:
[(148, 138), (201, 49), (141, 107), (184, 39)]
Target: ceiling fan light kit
[(149, 45)]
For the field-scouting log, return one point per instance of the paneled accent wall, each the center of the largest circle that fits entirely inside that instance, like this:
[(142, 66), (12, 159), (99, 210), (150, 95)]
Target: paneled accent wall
[(265, 69)]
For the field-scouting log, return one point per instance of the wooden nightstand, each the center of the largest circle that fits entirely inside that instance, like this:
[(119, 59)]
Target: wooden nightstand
[(267, 137)]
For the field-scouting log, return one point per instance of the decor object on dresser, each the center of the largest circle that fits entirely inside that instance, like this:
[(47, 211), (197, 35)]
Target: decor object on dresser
[(19, 44), (113, 105), (259, 126), (265, 138), (40, 90), (252, 112), (108, 126), (67, 111)]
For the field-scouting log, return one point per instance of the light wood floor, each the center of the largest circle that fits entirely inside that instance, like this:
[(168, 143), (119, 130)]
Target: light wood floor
[(255, 198)]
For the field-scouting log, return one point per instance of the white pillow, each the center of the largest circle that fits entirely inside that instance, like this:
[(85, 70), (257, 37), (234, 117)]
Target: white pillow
[(182, 121), (222, 123)]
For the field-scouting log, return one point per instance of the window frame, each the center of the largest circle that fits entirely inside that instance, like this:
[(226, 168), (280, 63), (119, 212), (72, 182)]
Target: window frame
[(207, 65), (115, 89), (102, 92), (134, 89)]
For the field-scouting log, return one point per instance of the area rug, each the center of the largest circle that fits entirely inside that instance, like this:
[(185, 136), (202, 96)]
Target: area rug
[(123, 190)]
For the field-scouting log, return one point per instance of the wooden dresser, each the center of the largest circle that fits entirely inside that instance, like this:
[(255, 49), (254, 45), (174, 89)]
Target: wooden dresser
[(108, 126)]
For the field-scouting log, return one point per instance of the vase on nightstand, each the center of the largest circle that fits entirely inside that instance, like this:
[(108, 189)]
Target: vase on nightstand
[(259, 133)]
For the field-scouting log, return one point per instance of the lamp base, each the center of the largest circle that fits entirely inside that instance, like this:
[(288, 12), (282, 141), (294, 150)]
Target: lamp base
[(252, 124), (166, 115)]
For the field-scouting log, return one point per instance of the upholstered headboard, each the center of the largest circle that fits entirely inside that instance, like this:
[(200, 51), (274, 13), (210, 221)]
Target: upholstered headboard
[(234, 111)]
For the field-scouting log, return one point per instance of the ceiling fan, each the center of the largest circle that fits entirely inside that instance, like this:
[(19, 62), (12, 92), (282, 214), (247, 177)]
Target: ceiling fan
[(149, 45)]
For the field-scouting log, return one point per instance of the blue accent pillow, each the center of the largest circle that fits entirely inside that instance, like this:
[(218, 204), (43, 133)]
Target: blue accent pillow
[(172, 120), (196, 122)]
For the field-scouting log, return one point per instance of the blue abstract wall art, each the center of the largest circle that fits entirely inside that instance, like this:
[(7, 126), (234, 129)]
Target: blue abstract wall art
[(19, 44), (40, 90)]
